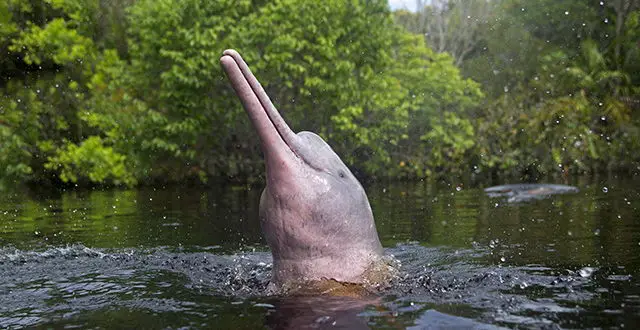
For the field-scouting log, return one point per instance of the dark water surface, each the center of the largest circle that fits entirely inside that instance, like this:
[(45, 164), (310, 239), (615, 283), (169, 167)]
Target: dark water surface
[(194, 258)]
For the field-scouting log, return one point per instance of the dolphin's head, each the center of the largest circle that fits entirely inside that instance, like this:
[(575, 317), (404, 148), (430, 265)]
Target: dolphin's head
[(314, 213)]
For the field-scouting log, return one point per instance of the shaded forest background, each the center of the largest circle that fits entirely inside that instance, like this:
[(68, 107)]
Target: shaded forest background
[(124, 92)]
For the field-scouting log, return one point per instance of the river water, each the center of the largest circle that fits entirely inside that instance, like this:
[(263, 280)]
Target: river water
[(179, 257)]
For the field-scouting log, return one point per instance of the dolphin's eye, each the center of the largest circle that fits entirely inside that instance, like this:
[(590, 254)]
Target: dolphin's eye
[(341, 174)]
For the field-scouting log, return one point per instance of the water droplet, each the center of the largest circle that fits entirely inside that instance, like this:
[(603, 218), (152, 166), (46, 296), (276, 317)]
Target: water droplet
[(503, 259), (605, 190), (566, 13), (586, 271), (458, 188)]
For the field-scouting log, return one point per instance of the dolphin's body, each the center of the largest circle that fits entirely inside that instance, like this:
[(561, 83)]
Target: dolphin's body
[(528, 191), (314, 213)]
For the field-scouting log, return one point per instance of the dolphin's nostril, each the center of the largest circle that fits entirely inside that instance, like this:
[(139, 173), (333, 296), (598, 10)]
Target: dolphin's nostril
[(341, 174)]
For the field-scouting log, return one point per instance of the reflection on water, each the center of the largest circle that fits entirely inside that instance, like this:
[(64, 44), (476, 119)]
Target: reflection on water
[(178, 257), (224, 217)]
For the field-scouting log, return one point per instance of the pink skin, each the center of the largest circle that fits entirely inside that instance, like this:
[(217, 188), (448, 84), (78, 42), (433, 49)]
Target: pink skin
[(314, 213)]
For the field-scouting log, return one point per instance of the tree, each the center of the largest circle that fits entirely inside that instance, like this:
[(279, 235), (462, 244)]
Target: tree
[(100, 100), (451, 26), (623, 10)]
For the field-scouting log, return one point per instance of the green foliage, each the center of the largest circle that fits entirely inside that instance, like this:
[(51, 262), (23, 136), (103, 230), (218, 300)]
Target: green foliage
[(559, 102), (126, 92), (14, 157), (92, 161), (55, 42), (326, 65), (437, 95), (545, 18), (451, 141), (329, 67), (38, 107), (34, 116)]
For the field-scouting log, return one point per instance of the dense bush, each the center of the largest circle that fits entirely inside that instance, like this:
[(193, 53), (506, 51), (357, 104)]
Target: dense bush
[(128, 92), (562, 82)]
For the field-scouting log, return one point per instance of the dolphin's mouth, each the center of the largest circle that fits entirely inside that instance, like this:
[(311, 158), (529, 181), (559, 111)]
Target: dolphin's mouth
[(264, 116)]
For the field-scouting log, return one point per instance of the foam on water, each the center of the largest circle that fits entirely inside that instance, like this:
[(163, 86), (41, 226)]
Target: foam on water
[(63, 285)]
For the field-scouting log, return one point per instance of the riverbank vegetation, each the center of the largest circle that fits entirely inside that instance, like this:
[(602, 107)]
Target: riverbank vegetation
[(124, 92)]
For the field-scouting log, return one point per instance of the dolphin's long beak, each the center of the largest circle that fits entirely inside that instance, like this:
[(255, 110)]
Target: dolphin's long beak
[(275, 134)]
